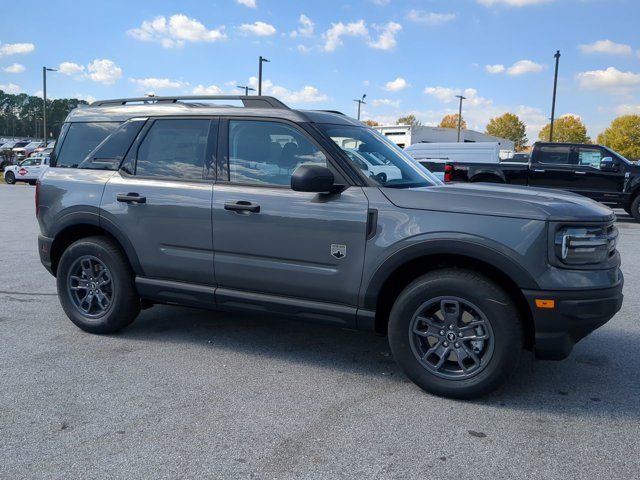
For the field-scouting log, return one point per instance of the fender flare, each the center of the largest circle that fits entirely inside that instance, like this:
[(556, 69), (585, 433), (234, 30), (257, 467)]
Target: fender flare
[(484, 171), (471, 247)]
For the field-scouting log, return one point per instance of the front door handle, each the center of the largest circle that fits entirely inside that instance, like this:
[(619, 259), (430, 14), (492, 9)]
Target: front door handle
[(538, 170), (580, 173), (131, 198), (242, 206)]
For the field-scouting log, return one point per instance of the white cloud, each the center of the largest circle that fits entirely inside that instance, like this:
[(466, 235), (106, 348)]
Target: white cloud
[(628, 109), (381, 3), (247, 3), (512, 3), (396, 85), (152, 83), (15, 68), (307, 94), (303, 49), (430, 18), (333, 36), (498, 68), (607, 47), (210, 90), (70, 68), (7, 49), (86, 98), (447, 95), (175, 32), (523, 67), (385, 101), (305, 29), (104, 71), (260, 29), (10, 88), (610, 79), (387, 39)]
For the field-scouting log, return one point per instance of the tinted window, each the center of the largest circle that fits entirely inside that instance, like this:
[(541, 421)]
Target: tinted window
[(80, 139), (589, 157), (175, 149), (109, 154), (555, 155), (267, 153)]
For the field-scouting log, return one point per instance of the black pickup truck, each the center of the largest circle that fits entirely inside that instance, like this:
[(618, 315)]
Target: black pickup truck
[(590, 170)]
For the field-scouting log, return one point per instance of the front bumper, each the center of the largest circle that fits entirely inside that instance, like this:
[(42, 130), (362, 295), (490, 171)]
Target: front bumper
[(44, 249), (576, 315)]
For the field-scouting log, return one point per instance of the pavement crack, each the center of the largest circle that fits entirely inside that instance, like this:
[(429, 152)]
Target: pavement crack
[(28, 294)]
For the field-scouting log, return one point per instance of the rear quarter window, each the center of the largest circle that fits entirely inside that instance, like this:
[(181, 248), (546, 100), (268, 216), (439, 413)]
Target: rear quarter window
[(79, 139)]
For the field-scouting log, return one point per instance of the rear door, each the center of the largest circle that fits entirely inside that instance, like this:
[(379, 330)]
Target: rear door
[(161, 198), (271, 240), (553, 167)]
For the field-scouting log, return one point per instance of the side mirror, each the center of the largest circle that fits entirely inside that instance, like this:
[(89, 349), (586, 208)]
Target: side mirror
[(312, 178), (607, 164)]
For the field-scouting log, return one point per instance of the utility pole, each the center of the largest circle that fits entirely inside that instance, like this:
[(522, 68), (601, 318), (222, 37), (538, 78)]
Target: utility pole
[(460, 114), (361, 102), (246, 89), (553, 102), (44, 103), (260, 62)]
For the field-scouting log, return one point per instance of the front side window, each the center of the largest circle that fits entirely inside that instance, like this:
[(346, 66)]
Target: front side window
[(80, 139), (378, 158), (554, 155), (175, 148), (267, 153), (589, 157)]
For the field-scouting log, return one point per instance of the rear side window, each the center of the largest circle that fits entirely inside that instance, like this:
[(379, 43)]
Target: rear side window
[(175, 149), (109, 154), (80, 139), (554, 155)]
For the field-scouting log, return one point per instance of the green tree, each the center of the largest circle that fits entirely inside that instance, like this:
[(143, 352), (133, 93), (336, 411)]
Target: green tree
[(623, 135), (566, 129), (451, 121), (409, 120), (509, 126)]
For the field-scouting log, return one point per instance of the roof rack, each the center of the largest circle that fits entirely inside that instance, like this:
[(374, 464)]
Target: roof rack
[(250, 101), (333, 111)]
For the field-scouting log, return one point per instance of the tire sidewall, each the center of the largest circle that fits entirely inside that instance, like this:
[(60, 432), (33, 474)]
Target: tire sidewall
[(635, 208), (497, 307), (10, 178)]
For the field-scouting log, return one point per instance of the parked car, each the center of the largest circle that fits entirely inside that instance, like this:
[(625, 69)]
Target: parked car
[(594, 171), (26, 171), (373, 165), (22, 152), (282, 220)]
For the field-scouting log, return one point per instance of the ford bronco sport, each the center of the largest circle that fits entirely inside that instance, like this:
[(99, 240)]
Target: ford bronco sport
[(262, 208)]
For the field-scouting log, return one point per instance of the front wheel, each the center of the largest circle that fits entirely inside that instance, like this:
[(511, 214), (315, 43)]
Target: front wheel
[(635, 208), (455, 333), (96, 286), (10, 178)]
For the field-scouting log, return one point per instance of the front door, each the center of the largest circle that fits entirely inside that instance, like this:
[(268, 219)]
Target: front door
[(161, 199), (272, 240), (594, 183)]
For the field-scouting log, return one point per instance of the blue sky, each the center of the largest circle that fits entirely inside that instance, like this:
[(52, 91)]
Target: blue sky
[(407, 56)]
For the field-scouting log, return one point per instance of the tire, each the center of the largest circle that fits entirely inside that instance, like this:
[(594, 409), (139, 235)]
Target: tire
[(497, 339), (10, 178), (635, 208), (488, 179), (32, 182), (81, 272)]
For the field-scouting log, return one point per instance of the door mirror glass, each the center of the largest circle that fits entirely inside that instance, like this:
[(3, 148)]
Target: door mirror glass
[(312, 178), (607, 164)]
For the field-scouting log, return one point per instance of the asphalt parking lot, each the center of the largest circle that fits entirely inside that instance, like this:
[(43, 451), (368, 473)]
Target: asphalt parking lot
[(184, 393)]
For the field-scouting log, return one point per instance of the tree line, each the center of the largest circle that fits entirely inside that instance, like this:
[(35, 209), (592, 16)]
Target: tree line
[(623, 135), (21, 114)]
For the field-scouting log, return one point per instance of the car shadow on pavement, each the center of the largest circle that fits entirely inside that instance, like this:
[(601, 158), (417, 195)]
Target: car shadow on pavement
[(594, 380)]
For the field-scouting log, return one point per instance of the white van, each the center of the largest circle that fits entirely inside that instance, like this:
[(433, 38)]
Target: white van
[(435, 155)]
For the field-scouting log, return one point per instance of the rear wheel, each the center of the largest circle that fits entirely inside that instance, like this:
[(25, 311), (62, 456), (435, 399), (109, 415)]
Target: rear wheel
[(96, 286), (455, 333), (635, 208), (10, 178)]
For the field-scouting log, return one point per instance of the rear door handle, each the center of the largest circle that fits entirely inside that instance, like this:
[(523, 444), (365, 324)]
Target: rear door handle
[(131, 198), (538, 170), (580, 173), (242, 206)]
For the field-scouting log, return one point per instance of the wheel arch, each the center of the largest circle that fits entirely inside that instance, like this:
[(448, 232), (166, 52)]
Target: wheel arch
[(404, 267)]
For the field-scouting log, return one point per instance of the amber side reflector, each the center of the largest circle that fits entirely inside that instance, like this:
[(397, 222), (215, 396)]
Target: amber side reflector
[(542, 303)]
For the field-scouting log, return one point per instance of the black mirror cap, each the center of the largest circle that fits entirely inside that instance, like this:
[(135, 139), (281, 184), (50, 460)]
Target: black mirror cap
[(312, 178)]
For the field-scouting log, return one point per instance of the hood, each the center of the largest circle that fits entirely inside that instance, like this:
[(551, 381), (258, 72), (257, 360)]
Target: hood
[(502, 201)]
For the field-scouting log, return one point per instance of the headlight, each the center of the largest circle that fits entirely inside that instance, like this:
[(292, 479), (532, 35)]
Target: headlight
[(585, 245)]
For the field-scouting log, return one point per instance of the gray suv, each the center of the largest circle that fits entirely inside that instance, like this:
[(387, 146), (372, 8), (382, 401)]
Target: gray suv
[(262, 208)]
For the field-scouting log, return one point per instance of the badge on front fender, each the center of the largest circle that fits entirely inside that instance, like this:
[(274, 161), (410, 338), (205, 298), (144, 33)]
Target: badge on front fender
[(338, 251)]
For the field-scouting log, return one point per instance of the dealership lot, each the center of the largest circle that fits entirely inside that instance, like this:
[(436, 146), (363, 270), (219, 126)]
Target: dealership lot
[(184, 393)]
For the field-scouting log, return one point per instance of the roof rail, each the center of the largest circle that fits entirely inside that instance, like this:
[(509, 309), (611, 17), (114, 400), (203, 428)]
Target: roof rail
[(250, 101), (333, 111)]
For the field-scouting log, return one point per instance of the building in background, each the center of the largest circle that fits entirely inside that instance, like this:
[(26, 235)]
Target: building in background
[(405, 135)]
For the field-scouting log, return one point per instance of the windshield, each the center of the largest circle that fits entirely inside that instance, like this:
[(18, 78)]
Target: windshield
[(382, 161)]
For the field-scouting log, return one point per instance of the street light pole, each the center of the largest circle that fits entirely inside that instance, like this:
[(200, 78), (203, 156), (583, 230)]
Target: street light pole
[(44, 103), (246, 89), (260, 62), (460, 114), (360, 102), (553, 102)]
